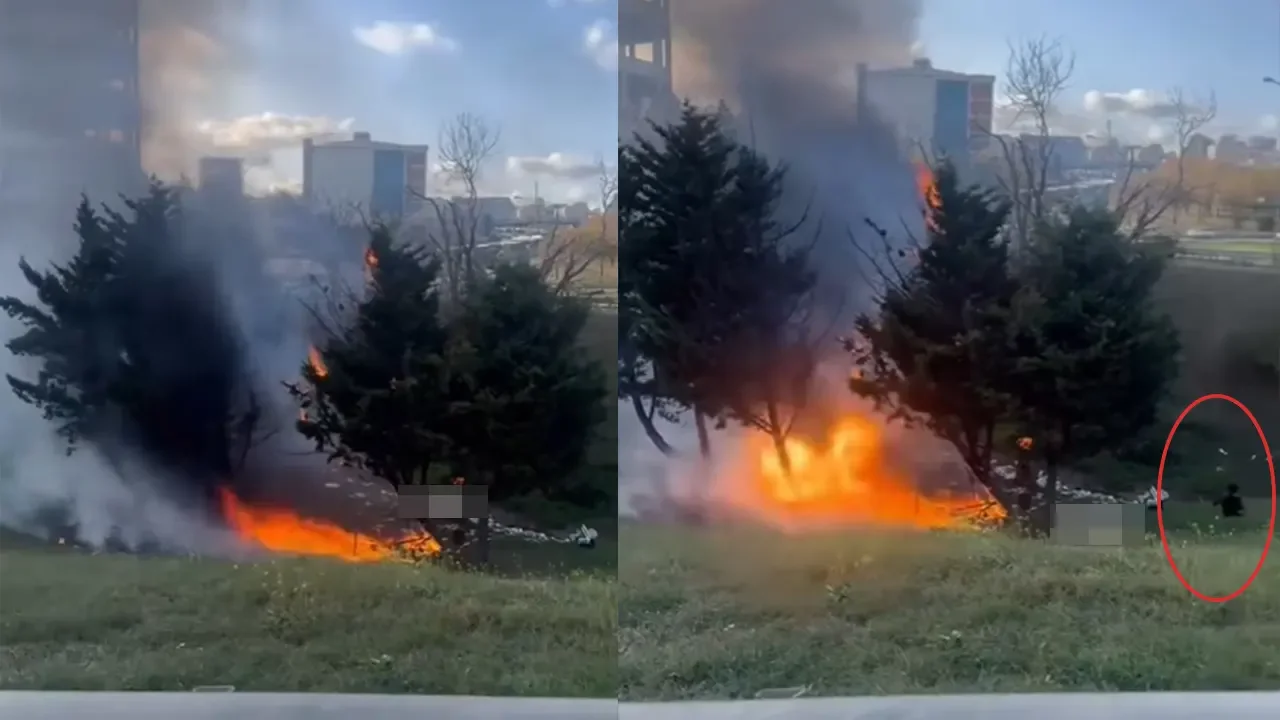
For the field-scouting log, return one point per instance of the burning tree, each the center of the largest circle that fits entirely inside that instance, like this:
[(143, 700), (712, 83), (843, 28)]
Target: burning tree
[(937, 350), (717, 294), (500, 394), (375, 393), (135, 347)]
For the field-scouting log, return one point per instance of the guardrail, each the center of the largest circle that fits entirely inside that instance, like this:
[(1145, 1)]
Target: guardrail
[(22, 705)]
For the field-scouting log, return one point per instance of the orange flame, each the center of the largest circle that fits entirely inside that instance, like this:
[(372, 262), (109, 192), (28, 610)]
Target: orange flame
[(317, 363), (370, 259), (846, 479), (928, 191), (282, 531)]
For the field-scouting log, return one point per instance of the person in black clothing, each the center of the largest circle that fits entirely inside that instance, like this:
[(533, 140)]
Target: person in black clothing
[(1231, 504)]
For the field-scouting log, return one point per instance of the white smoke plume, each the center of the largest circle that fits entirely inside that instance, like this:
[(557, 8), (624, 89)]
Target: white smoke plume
[(193, 55)]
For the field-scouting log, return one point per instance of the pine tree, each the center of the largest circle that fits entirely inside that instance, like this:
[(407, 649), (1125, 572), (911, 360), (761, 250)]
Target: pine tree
[(378, 393), (1095, 358), (68, 329), (937, 350), (536, 397), (716, 293)]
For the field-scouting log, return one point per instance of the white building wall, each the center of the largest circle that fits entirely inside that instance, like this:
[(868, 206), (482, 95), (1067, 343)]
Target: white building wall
[(342, 176)]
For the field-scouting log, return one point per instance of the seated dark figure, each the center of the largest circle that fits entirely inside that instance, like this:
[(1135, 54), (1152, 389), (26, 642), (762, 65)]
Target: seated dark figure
[(1231, 504)]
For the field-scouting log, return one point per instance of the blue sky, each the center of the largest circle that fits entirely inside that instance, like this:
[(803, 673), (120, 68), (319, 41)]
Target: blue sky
[(541, 71), (1124, 45)]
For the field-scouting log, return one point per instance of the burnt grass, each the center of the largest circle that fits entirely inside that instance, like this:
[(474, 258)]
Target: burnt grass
[(542, 620)]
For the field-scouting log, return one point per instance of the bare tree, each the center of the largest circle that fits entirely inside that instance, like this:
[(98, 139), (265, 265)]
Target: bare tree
[(1142, 200), (465, 146), (568, 253), (1037, 72)]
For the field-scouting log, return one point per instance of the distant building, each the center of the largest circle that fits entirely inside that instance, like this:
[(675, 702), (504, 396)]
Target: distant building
[(70, 110), (1231, 149), (1198, 147), (644, 65), (573, 213), (1262, 143), (935, 110), (381, 179), (222, 177), (1151, 156)]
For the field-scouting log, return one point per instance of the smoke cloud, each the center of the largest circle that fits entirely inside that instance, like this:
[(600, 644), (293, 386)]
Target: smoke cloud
[(229, 325), (788, 71)]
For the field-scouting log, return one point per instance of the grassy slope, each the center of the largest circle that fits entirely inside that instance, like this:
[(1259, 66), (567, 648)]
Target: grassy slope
[(69, 620), (74, 621), (727, 612)]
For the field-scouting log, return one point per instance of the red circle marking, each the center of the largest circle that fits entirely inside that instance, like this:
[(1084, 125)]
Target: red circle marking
[(1271, 528)]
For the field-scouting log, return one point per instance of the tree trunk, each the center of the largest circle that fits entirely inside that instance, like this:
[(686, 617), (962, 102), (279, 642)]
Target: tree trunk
[(704, 437), (646, 421), (1048, 511), (480, 554), (779, 439)]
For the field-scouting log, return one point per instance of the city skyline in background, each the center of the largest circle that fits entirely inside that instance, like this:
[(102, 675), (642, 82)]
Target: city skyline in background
[(1128, 55), (545, 77)]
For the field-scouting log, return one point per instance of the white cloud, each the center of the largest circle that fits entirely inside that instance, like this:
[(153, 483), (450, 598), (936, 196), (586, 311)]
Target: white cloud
[(600, 43), (1145, 103), (1270, 123), (253, 136), (556, 165), (396, 38)]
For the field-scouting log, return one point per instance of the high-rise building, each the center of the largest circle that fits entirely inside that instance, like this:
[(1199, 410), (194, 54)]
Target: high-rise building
[(644, 65), (222, 177), (930, 110), (384, 180), (70, 109)]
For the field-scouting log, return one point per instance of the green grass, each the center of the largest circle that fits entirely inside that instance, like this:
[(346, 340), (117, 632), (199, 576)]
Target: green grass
[(727, 612), (118, 622), (1261, 247)]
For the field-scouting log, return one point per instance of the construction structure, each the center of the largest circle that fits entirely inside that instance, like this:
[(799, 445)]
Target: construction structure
[(369, 178), (70, 105), (932, 112), (644, 65)]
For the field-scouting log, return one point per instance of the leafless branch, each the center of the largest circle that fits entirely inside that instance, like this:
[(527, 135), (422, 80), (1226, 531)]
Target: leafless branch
[(1143, 200), (466, 144)]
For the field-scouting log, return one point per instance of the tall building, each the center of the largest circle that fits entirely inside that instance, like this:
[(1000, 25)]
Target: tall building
[(222, 177), (70, 109), (384, 180), (644, 64), (937, 111)]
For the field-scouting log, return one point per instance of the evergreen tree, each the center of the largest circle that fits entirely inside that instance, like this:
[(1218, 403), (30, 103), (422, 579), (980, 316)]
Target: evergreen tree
[(937, 350), (536, 399), (671, 210), (134, 345), (378, 394), (1095, 359), (716, 295)]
